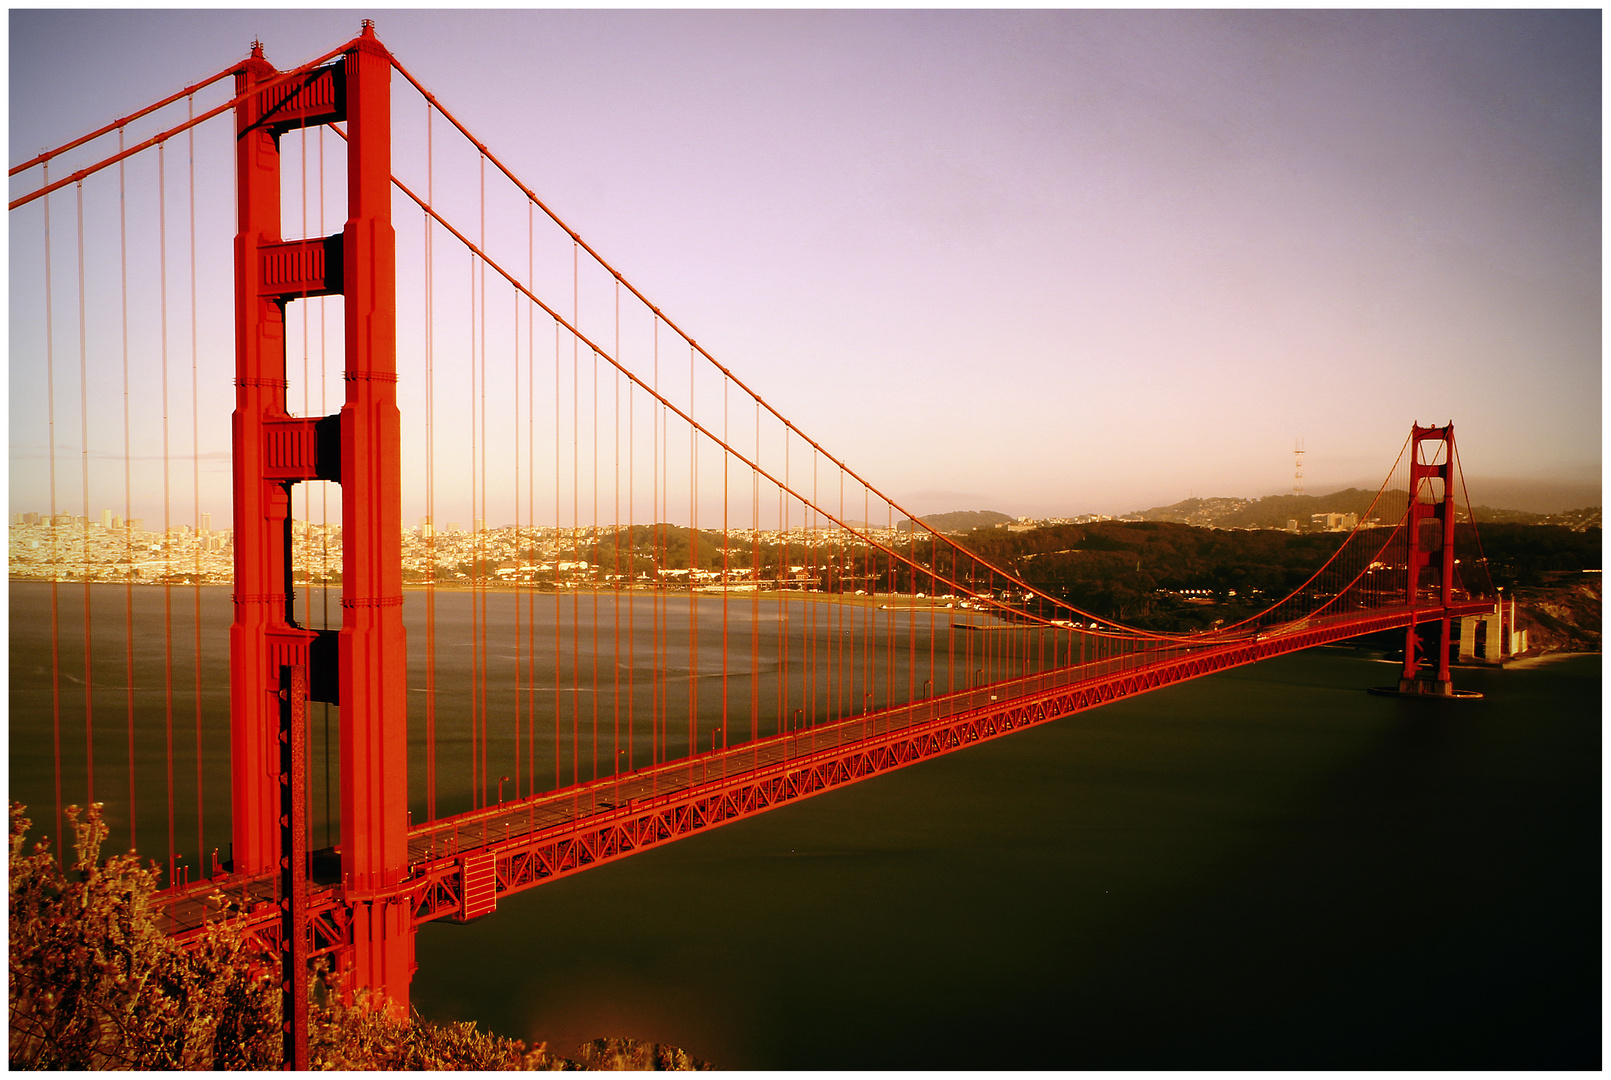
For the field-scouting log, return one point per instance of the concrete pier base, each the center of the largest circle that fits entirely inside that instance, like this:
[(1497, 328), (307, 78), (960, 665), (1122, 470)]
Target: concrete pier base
[(1426, 688)]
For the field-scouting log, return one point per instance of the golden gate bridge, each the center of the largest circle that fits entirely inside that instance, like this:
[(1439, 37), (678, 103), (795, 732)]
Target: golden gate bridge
[(697, 614)]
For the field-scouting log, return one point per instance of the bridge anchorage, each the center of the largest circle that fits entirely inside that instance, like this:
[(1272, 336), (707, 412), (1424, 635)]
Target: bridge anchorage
[(779, 628)]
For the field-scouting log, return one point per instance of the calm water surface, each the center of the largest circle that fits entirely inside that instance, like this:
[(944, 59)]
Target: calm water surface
[(1268, 868)]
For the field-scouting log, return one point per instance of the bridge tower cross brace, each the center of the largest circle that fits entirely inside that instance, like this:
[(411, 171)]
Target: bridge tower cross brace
[(1430, 548), (362, 667)]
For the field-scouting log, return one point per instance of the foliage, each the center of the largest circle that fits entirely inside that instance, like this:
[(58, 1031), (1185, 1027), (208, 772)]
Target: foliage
[(629, 1055), (359, 1037), (1522, 555), (95, 983), (1127, 570)]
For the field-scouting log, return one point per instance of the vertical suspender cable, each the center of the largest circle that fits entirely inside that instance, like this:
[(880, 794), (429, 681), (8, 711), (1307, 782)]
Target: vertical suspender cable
[(558, 543), (693, 568), (83, 422), (782, 694), (430, 478), (475, 653), (531, 501), (515, 454), (593, 532), (755, 594), (808, 531), (656, 597), (167, 525), (195, 482), (631, 578), (726, 585), (837, 647), (479, 586), (55, 551), (476, 784), (128, 485), (576, 495), (615, 595)]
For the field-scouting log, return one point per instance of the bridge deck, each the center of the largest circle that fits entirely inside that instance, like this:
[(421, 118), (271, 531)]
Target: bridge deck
[(627, 792), (525, 842)]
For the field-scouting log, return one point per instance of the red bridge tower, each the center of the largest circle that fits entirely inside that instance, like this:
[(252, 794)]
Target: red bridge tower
[(362, 667), (1430, 526)]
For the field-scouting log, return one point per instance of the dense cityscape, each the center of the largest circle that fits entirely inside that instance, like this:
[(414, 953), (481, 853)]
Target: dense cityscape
[(109, 549)]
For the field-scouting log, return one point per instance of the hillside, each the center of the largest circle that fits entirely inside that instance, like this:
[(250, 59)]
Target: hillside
[(1173, 577), (959, 521), (1562, 614), (1274, 511)]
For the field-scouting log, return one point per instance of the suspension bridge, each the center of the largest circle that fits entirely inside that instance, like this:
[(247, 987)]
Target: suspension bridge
[(693, 612)]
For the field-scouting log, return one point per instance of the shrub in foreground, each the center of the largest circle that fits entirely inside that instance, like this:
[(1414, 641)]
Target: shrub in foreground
[(96, 984)]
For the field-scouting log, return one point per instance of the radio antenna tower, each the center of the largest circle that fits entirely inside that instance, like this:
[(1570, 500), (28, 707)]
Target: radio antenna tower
[(1297, 474)]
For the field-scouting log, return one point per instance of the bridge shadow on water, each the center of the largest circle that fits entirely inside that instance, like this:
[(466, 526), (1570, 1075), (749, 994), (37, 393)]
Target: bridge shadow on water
[(1267, 868)]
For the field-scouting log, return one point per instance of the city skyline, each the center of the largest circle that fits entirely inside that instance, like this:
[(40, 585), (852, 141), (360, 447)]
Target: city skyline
[(1048, 263)]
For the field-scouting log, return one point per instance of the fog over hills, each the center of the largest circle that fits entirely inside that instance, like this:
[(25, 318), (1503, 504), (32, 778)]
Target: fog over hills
[(1276, 511), (1535, 496), (959, 521), (1511, 494)]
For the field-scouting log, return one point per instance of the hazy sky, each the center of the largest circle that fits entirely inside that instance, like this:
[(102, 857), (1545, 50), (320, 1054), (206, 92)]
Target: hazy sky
[(1042, 262)]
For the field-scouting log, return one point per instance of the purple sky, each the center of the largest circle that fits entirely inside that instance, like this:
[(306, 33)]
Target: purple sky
[(1040, 262)]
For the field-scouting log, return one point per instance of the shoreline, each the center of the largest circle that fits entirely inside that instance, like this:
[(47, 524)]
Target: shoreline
[(1525, 662), (880, 600)]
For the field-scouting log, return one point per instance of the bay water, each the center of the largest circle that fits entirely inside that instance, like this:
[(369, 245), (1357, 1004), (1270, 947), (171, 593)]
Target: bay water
[(1266, 868)]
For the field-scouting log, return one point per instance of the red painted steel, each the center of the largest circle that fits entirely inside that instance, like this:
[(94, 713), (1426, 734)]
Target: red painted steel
[(360, 447), (394, 876), (40, 159), (235, 103), (1438, 465), (460, 865), (374, 727), (531, 847), (294, 944), (262, 575)]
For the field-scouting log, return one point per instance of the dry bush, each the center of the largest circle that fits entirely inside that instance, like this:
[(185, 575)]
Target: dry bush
[(96, 984)]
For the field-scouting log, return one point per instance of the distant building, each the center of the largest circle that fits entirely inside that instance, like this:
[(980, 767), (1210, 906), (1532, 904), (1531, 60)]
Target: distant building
[(1335, 522)]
